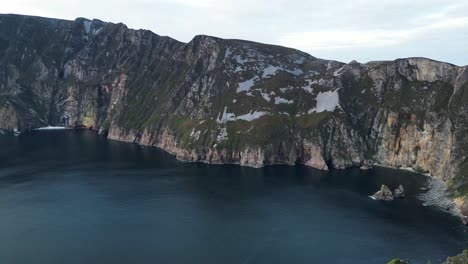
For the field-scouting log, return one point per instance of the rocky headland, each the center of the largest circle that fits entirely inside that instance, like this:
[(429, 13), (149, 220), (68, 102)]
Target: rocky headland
[(233, 101)]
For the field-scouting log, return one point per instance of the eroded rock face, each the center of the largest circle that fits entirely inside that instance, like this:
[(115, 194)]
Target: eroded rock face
[(233, 101), (462, 206), (8, 120), (422, 144)]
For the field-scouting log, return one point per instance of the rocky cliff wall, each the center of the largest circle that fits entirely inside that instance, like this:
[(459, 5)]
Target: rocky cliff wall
[(233, 101)]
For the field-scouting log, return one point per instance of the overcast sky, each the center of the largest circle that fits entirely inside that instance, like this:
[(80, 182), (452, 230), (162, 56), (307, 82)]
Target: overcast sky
[(361, 30)]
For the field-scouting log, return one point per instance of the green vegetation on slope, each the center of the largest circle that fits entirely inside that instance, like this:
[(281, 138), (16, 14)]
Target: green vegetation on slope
[(397, 261), (459, 259)]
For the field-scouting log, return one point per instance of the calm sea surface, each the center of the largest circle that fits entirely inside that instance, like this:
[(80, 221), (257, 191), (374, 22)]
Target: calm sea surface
[(75, 197)]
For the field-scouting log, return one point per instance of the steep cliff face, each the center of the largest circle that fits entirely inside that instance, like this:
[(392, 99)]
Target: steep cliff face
[(233, 101)]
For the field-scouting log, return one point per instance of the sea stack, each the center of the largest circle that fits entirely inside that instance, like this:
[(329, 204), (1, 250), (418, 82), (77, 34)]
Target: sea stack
[(384, 194), (399, 192)]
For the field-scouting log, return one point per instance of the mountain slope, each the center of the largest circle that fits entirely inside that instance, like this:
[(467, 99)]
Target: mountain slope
[(234, 101)]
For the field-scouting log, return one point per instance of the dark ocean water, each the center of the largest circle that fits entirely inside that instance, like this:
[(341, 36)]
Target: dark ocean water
[(75, 197)]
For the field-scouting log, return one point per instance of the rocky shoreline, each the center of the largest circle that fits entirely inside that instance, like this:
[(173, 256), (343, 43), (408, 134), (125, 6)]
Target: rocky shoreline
[(436, 194)]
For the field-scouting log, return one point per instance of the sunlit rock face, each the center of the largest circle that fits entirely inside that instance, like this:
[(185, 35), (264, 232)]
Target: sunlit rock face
[(233, 101)]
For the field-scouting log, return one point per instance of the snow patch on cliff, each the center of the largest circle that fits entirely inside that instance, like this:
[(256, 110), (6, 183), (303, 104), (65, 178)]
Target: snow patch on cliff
[(280, 100), (284, 90), (327, 101), (338, 72), (238, 69), (241, 60), (252, 115), (245, 86), (265, 96), (226, 117), (296, 72), (271, 70), (308, 86), (299, 60)]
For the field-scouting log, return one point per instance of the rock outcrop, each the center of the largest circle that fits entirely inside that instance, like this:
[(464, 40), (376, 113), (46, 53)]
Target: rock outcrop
[(384, 194), (233, 101), (399, 192), (462, 207)]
